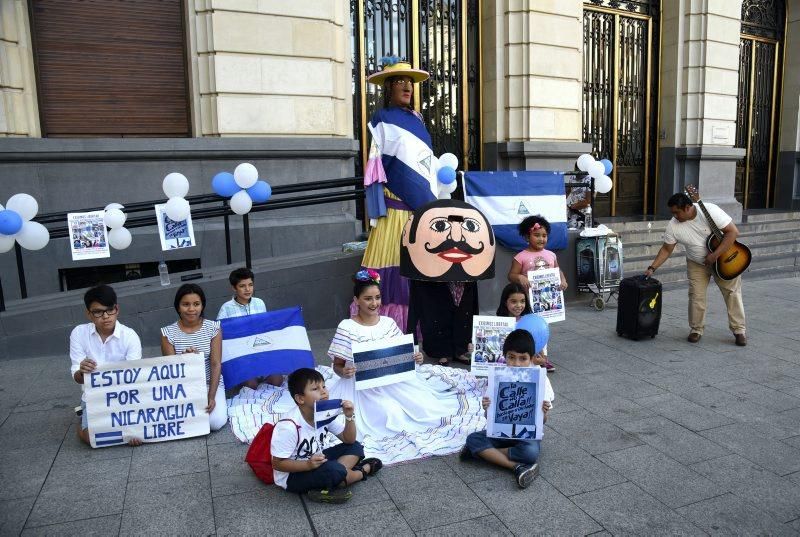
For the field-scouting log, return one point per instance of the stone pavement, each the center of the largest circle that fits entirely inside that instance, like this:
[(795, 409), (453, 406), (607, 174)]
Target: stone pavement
[(650, 437)]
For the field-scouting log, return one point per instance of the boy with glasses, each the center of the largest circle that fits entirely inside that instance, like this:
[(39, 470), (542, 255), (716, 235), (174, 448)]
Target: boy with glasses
[(101, 340)]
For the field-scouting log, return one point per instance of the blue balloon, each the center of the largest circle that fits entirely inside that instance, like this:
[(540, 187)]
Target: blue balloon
[(10, 222), (260, 192), (446, 175), (225, 185), (538, 328), (608, 166)]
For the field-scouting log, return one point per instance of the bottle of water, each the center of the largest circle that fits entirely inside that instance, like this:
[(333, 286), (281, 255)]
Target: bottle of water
[(163, 273), (587, 214)]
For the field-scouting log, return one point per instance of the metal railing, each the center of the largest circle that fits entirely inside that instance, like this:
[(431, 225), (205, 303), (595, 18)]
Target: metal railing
[(204, 207)]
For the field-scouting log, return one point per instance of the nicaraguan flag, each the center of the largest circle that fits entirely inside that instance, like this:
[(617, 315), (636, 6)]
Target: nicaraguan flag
[(506, 198), (326, 411), (268, 343), (383, 362), (108, 439)]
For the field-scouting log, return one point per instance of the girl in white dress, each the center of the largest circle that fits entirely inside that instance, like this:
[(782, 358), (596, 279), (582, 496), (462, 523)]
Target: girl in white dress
[(431, 415)]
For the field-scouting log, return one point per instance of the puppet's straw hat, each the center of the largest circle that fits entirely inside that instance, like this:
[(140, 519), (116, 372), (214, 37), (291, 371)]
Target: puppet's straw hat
[(392, 66)]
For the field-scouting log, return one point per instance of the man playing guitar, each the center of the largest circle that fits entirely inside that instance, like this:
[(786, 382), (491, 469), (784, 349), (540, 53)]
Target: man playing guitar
[(690, 228)]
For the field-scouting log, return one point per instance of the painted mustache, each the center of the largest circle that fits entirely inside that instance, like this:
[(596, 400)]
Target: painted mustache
[(450, 244)]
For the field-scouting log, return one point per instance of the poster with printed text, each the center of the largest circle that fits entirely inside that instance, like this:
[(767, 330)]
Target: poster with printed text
[(87, 235), (488, 336), (545, 295), (154, 400), (516, 395), (173, 234)]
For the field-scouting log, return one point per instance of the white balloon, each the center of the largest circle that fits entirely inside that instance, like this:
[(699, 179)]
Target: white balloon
[(114, 205), (584, 161), (114, 218), (33, 236), (596, 169), (177, 209), (603, 184), (119, 238), (175, 185), (448, 159), (245, 175), (24, 204), (6, 243), (241, 203)]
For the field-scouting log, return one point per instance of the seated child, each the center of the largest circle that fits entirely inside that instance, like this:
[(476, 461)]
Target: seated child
[(244, 303), (101, 340), (302, 460), (517, 455)]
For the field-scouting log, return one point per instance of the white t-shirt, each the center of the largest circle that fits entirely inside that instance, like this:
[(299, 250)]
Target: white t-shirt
[(286, 446), (693, 233)]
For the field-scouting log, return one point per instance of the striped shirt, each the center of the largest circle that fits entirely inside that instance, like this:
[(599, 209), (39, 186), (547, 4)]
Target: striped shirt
[(233, 309), (200, 340), (350, 331)]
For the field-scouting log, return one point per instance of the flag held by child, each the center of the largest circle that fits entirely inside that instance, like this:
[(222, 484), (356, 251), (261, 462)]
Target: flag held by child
[(263, 344), (326, 411), (506, 198), (383, 362)]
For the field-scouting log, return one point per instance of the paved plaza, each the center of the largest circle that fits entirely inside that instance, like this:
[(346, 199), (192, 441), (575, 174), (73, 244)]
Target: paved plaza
[(650, 438)]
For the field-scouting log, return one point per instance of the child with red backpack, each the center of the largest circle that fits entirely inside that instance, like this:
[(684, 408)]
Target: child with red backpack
[(303, 459)]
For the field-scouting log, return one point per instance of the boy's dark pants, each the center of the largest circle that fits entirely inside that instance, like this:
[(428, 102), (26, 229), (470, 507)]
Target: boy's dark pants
[(524, 451), (329, 475)]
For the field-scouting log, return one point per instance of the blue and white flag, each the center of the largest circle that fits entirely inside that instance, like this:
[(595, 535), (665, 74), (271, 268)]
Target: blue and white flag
[(506, 198), (385, 361), (108, 439), (326, 411), (268, 343)]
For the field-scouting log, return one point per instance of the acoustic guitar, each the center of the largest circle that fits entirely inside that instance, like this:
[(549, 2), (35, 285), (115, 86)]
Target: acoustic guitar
[(733, 262)]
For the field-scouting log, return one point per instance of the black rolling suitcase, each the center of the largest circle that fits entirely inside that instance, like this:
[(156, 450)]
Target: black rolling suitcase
[(639, 311)]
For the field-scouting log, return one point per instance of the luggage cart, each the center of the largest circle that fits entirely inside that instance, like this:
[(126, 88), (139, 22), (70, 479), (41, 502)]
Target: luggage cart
[(599, 268)]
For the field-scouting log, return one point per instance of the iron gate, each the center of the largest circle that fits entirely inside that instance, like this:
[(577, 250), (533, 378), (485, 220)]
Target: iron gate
[(756, 121), (620, 110), (439, 36)]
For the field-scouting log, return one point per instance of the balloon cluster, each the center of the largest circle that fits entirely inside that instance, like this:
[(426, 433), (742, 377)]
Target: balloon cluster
[(119, 237), (176, 186), (599, 170), (446, 175), (242, 187), (16, 224)]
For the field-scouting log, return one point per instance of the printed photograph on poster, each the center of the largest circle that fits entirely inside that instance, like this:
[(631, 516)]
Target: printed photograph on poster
[(385, 361), (545, 295), (87, 232), (154, 400), (488, 336), (516, 395), (173, 234)]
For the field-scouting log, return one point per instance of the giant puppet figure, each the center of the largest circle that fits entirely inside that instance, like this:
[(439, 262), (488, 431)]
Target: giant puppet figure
[(400, 176), (446, 246)]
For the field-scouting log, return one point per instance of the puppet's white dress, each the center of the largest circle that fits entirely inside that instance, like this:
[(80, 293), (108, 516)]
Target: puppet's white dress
[(431, 415)]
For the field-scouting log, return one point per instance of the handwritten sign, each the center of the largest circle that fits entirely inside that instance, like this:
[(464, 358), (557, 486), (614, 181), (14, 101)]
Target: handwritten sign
[(174, 234), (488, 336), (516, 395), (154, 400)]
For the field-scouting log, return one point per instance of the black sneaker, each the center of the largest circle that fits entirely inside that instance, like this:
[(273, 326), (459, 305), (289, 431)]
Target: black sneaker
[(525, 474), (330, 496), (465, 454)]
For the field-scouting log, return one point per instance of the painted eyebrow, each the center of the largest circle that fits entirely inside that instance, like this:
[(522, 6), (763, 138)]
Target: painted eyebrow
[(455, 218)]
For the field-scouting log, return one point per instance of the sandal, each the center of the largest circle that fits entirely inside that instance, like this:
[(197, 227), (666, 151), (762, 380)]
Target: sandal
[(374, 466), (444, 361)]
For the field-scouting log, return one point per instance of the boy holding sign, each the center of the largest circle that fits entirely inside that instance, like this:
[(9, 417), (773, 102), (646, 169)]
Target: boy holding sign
[(303, 459), (102, 340), (517, 455)]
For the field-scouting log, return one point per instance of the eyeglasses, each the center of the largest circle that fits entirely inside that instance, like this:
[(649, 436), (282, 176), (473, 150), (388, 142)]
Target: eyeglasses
[(97, 314)]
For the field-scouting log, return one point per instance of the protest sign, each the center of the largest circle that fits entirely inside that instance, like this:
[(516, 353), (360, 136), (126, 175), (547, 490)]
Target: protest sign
[(154, 400), (516, 395), (545, 294), (87, 234), (173, 234), (383, 362), (488, 336)]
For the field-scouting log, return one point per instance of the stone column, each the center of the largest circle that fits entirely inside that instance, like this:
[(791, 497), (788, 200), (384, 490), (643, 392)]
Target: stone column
[(270, 68), (19, 111), (699, 73), (532, 52), (787, 178)]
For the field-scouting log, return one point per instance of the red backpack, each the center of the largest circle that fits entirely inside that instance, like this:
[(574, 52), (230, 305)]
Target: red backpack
[(259, 455)]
